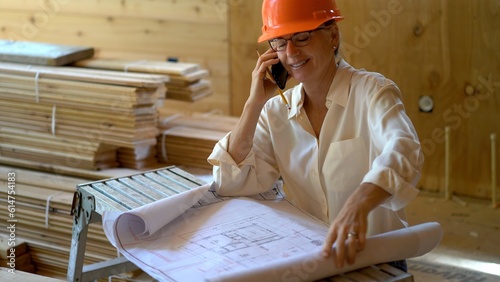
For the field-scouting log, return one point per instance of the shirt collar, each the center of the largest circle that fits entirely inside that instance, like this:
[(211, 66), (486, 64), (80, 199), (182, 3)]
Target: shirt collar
[(297, 100), (338, 92)]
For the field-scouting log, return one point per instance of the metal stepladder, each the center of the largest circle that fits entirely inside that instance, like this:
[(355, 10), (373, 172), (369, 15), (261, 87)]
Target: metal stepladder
[(125, 193), (117, 194)]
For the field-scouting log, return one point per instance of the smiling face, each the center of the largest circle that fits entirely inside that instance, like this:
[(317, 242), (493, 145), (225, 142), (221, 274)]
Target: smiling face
[(315, 61)]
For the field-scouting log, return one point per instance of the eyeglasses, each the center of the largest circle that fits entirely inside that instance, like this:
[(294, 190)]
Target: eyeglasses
[(298, 39)]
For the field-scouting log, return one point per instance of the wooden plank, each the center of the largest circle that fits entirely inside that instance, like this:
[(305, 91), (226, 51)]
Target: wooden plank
[(41, 194), (57, 222), (169, 118), (52, 167), (188, 161), (44, 119), (23, 276), (113, 112), (83, 75), (144, 66), (21, 135), (190, 88), (187, 79), (138, 152), (195, 133), (119, 139), (104, 31), (46, 180), (62, 240), (44, 116), (184, 87), (24, 82), (191, 97), (26, 52), (40, 158)]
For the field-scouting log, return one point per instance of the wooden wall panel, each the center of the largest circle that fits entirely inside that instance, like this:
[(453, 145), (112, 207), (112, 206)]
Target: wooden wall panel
[(440, 49), (190, 30), (196, 11), (245, 22), (429, 47)]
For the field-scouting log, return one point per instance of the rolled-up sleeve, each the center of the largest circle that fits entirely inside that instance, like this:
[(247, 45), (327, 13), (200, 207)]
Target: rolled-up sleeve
[(251, 176), (397, 168)]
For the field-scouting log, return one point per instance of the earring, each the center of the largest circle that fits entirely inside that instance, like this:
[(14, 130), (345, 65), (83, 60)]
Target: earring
[(334, 48)]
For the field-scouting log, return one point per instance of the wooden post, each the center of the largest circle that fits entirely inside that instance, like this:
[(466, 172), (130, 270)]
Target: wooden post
[(493, 171), (447, 193)]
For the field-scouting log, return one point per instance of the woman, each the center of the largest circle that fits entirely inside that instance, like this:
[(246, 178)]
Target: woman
[(345, 149)]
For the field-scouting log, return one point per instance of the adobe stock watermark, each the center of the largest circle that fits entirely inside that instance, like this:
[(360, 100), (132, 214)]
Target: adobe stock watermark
[(11, 221), (38, 20), (304, 271), (455, 115), (363, 36)]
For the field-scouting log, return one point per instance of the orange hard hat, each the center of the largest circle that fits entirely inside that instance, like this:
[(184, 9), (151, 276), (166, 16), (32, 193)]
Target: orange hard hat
[(282, 17)]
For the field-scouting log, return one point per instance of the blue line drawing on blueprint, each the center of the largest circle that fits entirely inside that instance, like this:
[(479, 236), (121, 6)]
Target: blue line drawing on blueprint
[(236, 239), (250, 240)]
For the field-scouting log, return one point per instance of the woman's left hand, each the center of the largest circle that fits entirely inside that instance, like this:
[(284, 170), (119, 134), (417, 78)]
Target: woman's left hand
[(348, 231)]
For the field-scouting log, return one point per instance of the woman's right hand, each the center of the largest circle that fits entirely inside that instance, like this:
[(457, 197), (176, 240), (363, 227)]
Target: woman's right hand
[(263, 88)]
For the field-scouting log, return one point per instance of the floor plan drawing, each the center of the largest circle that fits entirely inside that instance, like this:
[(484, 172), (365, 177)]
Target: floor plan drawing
[(241, 239)]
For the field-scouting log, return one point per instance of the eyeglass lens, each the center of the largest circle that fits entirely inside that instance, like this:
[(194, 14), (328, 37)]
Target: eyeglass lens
[(299, 39)]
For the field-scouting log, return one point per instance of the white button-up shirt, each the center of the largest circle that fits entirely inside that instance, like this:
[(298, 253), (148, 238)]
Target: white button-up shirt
[(366, 137)]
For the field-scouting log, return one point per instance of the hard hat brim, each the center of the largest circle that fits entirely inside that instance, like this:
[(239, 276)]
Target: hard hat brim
[(292, 28)]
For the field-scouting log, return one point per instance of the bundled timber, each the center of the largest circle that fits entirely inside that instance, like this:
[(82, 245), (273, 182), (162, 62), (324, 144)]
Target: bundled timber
[(189, 138), (187, 80), (76, 117), (42, 210), (34, 146)]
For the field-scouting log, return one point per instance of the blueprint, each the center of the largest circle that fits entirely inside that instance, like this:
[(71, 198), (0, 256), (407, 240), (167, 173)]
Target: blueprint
[(197, 236)]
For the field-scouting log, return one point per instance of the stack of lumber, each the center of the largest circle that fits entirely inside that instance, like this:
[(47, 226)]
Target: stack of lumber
[(76, 112), (42, 210), (47, 229), (187, 80), (19, 258), (189, 138), (44, 147)]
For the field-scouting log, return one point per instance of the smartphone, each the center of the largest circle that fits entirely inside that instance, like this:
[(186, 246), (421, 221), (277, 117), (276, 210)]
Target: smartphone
[(280, 75)]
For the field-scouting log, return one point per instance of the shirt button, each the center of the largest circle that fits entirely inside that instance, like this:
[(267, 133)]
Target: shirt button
[(328, 103)]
